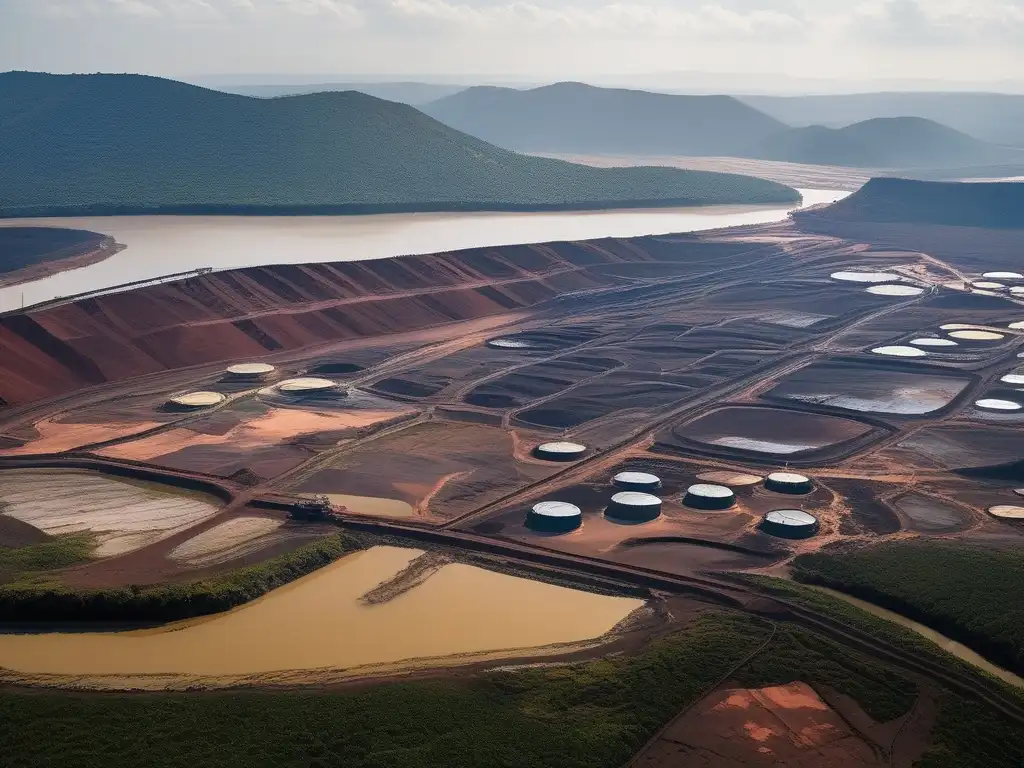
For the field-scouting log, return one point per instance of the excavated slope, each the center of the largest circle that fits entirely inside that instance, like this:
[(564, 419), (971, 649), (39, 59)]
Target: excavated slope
[(256, 311)]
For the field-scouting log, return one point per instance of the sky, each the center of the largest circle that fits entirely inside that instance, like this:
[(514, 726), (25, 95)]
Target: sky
[(953, 41)]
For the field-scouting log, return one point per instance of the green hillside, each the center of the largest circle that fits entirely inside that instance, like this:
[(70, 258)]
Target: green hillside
[(131, 144), (579, 118), (995, 205), (898, 142)]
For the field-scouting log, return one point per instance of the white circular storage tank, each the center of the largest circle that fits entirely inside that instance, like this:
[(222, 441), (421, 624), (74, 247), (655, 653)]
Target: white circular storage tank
[(998, 404), (1017, 326), (308, 386), (933, 341), (508, 344), (554, 517), (1003, 276), (636, 481), (788, 482), (560, 451), (709, 496), (865, 277), (976, 336), (898, 350), (634, 507), (197, 400), (963, 327), (895, 290), (250, 371), (1007, 511), (988, 285), (1017, 290), (790, 524), (1016, 379)]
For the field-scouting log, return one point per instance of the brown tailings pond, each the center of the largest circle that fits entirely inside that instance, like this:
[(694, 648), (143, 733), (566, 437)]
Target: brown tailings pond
[(320, 623)]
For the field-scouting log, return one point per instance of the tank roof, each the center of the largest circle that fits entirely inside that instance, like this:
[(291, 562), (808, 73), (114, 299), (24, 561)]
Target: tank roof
[(1007, 510), (977, 335), (307, 384), (795, 517), (637, 478), (1003, 275), (562, 447), (199, 399), (895, 290), (997, 404), (865, 277), (636, 499), (710, 491), (788, 477), (933, 341), (897, 350), (556, 509), (243, 369), (1013, 378), (509, 344), (988, 285)]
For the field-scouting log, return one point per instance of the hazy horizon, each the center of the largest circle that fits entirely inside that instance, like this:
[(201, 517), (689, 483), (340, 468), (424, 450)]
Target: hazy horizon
[(739, 46)]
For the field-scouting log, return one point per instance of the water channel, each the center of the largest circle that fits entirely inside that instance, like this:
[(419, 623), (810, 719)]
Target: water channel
[(161, 245)]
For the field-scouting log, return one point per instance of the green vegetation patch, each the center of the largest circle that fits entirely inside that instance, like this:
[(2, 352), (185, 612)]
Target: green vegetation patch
[(591, 715), (27, 600), (969, 735), (969, 594), (23, 563)]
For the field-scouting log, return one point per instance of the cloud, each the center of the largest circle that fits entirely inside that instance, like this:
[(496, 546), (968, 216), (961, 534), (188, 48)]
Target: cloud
[(917, 22), (611, 18)]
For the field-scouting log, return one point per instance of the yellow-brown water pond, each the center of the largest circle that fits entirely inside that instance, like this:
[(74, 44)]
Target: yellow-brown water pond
[(319, 622)]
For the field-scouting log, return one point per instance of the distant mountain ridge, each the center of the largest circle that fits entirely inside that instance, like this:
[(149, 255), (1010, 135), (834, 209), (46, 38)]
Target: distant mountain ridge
[(994, 117), (132, 144), (897, 142), (412, 93), (579, 118), (884, 200)]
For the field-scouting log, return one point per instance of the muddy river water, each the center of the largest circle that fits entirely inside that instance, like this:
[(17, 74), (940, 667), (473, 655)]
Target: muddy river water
[(319, 622), (161, 245)]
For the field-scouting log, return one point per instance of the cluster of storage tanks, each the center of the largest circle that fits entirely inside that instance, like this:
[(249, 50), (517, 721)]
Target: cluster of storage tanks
[(635, 501), (256, 373)]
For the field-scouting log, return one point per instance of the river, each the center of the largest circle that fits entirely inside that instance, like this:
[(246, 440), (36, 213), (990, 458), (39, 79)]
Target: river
[(161, 245)]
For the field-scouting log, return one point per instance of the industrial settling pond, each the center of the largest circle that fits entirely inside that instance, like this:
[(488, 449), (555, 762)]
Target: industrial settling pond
[(322, 623)]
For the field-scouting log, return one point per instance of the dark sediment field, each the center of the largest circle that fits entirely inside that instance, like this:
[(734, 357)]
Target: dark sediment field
[(914, 391), (765, 433), (868, 513), (28, 253), (930, 515)]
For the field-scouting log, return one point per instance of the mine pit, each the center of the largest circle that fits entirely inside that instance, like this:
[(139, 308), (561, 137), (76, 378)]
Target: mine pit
[(864, 389), (897, 350), (123, 515), (895, 290)]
